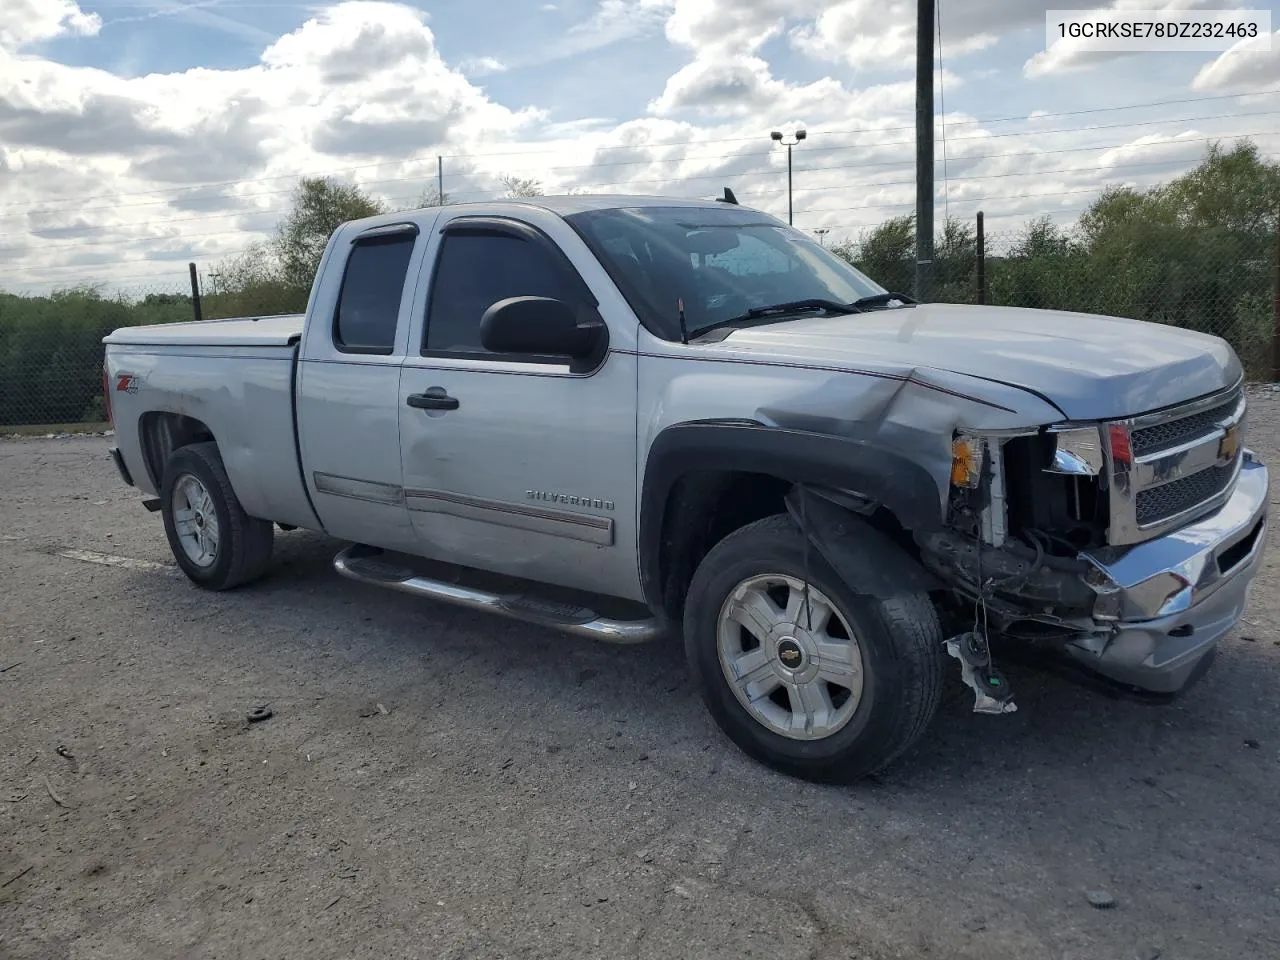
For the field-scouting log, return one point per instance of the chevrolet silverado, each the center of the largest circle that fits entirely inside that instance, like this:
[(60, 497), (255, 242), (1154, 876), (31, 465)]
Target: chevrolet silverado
[(624, 417)]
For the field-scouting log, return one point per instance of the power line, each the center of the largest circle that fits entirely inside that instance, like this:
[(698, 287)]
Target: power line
[(698, 177), (424, 158), (118, 241), (987, 199), (973, 120), (862, 185), (180, 284)]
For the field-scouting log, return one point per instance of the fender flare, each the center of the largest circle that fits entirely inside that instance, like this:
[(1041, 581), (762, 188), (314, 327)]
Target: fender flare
[(798, 457)]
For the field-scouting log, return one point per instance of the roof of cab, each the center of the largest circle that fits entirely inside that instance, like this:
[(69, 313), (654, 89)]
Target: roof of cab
[(578, 203), (560, 205)]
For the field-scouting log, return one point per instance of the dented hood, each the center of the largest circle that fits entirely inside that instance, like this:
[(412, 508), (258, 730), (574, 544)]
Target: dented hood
[(1090, 367)]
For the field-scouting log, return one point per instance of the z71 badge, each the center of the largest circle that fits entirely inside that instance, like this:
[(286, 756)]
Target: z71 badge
[(126, 383)]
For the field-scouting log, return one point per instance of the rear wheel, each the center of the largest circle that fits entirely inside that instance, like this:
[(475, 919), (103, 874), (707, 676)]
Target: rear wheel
[(801, 672), (216, 543)]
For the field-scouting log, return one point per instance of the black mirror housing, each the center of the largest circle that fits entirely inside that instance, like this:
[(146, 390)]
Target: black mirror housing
[(540, 326)]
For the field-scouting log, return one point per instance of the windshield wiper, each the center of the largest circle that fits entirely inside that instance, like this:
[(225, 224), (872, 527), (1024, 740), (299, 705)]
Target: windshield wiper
[(776, 310), (881, 299), (764, 313), (797, 306)]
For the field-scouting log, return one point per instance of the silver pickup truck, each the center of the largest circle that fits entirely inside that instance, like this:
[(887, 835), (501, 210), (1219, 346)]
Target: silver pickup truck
[(625, 417)]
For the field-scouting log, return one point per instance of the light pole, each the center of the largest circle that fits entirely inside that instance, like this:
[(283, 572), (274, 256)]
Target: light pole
[(799, 135), (822, 235)]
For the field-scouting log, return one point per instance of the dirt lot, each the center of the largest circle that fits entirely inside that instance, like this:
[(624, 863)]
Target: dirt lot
[(528, 795)]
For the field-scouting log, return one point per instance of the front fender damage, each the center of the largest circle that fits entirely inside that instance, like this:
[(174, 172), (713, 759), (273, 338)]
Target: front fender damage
[(911, 416), (914, 422)]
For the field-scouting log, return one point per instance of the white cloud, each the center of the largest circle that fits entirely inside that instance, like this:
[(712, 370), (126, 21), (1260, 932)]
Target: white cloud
[(736, 26), (1246, 66), (482, 66), (744, 86), (198, 12), (871, 34), (358, 83), (612, 22), (24, 22), (115, 178)]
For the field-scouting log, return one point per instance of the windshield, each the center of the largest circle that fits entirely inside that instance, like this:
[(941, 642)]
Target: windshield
[(719, 263)]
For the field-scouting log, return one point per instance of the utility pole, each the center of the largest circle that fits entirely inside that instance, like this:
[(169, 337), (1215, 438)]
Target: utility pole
[(799, 135), (925, 25), (982, 260), (195, 292), (439, 180), (1275, 342)]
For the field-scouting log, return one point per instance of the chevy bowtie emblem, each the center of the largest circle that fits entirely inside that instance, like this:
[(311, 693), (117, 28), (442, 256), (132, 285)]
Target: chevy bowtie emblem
[(790, 654), (1229, 445)]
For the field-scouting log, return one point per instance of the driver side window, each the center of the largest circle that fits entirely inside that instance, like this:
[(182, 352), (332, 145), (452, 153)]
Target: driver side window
[(474, 271)]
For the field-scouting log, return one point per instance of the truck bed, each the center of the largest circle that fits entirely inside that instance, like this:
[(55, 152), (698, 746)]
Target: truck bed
[(232, 379), (280, 331)]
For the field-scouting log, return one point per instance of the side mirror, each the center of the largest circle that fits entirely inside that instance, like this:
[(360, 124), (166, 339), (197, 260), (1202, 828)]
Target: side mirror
[(540, 326)]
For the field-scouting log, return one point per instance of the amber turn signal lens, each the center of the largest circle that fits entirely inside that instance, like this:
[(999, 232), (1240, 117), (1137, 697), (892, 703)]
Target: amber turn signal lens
[(966, 462)]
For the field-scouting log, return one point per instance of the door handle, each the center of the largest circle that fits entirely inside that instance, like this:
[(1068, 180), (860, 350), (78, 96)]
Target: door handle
[(433, 399)]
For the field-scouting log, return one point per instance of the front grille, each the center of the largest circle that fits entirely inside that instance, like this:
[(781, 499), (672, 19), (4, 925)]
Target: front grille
[(1162, 436), (1161, 503)]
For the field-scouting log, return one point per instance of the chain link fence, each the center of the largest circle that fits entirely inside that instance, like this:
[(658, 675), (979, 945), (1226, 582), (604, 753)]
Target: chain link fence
[(1221, 281), (51, 348)]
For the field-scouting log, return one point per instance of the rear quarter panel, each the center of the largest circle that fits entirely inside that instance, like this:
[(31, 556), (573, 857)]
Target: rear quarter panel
[(242, 394)]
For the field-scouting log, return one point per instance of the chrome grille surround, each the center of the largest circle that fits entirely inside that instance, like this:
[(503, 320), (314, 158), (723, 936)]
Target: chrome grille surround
[(1173, 466)]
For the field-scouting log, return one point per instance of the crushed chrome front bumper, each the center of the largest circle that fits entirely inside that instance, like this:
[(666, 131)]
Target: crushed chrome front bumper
[(1169, 600)]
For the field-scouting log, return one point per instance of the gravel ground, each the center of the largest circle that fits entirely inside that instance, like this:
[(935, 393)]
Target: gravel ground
[(523, 794)]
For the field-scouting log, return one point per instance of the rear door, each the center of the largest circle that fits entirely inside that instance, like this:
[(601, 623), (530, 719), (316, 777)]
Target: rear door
[(349, 382)]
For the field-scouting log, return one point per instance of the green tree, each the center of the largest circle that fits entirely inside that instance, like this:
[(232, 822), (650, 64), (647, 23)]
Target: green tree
[(1233, 190), (430, 197), (520, 187), (887, 254), (955, 254), (1196, 252), (274, 277), (320, 205)]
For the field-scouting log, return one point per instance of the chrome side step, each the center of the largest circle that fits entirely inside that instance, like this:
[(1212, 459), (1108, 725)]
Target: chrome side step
[(369, 565)]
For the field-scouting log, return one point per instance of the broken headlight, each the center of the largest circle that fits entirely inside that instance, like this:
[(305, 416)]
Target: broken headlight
[(1077, 452)]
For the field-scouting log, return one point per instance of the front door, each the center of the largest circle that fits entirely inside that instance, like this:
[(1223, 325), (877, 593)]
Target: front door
[(517, 465)]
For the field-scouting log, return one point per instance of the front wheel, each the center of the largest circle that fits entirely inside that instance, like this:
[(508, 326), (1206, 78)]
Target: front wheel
[(217, 544), (801, 672)]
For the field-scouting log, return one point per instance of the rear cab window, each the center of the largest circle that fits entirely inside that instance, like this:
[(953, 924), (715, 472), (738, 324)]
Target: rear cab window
[(373, 283)]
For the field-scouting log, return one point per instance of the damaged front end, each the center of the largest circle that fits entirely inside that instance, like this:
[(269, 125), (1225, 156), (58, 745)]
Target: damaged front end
[(1124, 549)]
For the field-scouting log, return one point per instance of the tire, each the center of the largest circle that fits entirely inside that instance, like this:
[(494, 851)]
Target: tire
[(196, 481), (892, 672)]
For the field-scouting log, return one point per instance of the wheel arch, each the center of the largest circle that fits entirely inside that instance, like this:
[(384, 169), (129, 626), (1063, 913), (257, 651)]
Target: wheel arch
[(161, 432), (704, 479)]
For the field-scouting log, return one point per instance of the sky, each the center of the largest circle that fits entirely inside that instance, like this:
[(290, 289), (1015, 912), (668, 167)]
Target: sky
[(139, 135)]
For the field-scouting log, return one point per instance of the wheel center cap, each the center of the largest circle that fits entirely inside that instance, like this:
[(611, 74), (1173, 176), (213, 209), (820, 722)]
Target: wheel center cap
[(790, 654), (199, 520)]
